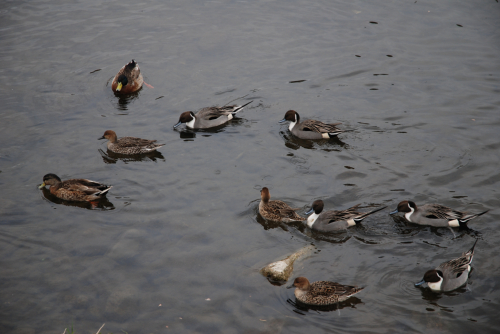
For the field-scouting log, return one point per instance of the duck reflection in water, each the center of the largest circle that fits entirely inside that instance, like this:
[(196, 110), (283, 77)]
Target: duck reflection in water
[(328, 145), (125, 99), (301, 308), (112, 158), (102, 204), (188, 133)]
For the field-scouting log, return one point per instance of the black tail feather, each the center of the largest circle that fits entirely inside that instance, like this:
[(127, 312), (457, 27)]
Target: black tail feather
[(363, 216)]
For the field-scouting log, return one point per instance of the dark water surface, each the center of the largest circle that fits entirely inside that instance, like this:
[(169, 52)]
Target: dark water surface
[(420, 87)]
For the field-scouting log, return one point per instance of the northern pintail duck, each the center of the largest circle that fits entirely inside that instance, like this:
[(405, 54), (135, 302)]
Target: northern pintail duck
[(128, 79), (276, 210), (74, 189), (322, 293), (129, 145), (335, 220), (434, 215), (310, 129), (209, 117), (449, 275)]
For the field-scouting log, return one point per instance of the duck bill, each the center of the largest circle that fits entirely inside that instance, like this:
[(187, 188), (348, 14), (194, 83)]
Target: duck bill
[(393, 212), (290, 286), (420, 283), (282, 121), (309, 212), (41, 186), (101, 138), (176, 125), (119, 87)]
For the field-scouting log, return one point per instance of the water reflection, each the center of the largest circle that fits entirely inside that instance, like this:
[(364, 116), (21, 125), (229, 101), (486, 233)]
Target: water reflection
[(111, 158), (102, 204), (270, 224), (125, 99), (327, 145), (302, 308), (188, 133), (403, 226)]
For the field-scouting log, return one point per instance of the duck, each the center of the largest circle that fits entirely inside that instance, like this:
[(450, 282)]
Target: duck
[(436, 215), (449, 275), (129, 145), (276, 210), (310, 129), (334, 220), (322, 293), (128, 79), (209, 117), (79, 190)]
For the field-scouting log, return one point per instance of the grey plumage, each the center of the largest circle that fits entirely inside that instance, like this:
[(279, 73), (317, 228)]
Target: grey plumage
[(450, 275), (434, 214), (209, 117), (310, 129), (329, 221)]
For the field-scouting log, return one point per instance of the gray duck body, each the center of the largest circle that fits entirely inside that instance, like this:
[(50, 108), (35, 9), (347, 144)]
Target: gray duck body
[(310, 129), (209, 117), (276, 210), (129, 145), (335, 220), (434, 214), (322, 293), (450, 275)]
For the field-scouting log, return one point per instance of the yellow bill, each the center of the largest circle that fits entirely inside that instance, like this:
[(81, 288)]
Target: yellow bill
[(119, 87)]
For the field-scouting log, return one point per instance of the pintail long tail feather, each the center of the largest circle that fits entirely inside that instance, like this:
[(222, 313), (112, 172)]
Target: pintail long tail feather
[(463, 222), (241, 107), (363, 216)]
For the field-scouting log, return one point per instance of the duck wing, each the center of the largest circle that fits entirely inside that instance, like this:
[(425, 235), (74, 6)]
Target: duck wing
[(283, 209), (317, 126), (135, 142), (438, 211)]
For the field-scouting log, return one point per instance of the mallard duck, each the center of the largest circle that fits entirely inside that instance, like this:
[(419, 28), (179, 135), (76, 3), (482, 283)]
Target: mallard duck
[(74, 189), (436, 215), (128, 80), (450, 275), (129, 145), (209, 117), (310, 129), (322, 293), (334, 220), (276, 210)]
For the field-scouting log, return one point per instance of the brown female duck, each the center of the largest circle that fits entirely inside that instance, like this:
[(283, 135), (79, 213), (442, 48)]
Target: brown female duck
[(75, 189)]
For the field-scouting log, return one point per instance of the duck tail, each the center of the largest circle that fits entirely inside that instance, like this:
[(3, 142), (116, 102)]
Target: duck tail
[(463, 221), (240, 107), (103, 192), (363, 216), (335, 133), (471, 251)]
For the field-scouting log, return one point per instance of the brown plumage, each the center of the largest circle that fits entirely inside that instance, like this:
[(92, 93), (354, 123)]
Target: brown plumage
[(276, 210), (74, 189), (129, 145), (322, 292), (128, 79)]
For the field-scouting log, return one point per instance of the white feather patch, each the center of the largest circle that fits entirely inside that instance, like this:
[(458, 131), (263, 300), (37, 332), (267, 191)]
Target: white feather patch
[(325, 135), (350, 222), (229, 117), (454, 223), (311, 219), (292, 124), (190, 124)]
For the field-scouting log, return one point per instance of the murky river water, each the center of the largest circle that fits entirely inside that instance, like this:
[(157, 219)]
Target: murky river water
[(177, 246)]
